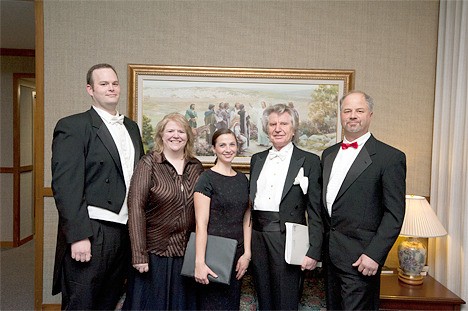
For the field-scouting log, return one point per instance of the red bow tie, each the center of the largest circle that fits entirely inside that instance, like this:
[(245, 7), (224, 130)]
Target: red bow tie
[(345, 146)]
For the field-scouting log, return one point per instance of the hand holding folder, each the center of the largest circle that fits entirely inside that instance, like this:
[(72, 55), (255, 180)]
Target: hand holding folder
[(219, 256), (297, 243)]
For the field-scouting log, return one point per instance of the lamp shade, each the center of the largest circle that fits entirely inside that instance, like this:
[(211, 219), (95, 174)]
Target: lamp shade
[(420, 220)]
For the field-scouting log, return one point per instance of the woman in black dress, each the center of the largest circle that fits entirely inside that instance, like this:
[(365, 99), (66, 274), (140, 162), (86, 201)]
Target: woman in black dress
[(221, 200)]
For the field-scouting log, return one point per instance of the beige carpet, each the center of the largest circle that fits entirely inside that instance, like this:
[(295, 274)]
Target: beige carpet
[(313, 294), (17, 277), (17, 283)]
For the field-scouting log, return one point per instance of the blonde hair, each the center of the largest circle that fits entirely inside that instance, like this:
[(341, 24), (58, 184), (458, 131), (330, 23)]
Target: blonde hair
[(180, 120)]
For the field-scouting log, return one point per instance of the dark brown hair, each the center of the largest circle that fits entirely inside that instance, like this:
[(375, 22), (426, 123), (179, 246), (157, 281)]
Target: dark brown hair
[(220, 132), (89, 75)]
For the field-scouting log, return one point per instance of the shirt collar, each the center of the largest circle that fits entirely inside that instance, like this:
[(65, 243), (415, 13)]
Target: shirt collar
[(286, 148), (105, 116), (360, 141)]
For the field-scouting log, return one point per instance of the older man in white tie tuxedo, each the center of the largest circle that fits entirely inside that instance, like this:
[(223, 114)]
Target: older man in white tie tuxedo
[(276, 199)]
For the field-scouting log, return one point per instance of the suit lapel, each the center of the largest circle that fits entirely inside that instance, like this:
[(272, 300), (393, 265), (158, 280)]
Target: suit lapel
[(327, 167), (135, 139), (106, 138), (363, 160), (294, 166), (256, 169)]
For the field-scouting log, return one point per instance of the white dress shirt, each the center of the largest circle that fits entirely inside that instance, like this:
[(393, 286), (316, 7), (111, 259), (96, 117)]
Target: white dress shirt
[(343, 161), (271, 181), (127, 157)]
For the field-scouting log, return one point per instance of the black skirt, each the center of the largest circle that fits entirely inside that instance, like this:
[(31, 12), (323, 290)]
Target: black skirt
[(216, 296), (161, 288)]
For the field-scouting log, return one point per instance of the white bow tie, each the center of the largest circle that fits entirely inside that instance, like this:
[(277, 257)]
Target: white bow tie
[(273, 153), (117, 119)]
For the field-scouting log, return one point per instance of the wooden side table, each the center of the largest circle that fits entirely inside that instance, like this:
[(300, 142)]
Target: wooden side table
[(431, 295)]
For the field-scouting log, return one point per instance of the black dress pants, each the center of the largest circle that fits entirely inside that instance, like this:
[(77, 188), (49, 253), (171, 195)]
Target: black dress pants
[(278, 284), (351, 291), (99, 283)]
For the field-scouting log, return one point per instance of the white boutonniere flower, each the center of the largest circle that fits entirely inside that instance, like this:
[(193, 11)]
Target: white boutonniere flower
[(302, 181)]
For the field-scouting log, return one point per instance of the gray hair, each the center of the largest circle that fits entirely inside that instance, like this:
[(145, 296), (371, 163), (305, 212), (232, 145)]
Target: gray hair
[(280, 109), (369, 100)]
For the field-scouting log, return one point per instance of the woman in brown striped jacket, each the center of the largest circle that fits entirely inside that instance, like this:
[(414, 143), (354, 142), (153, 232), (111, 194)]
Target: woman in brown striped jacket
[(160, 217)]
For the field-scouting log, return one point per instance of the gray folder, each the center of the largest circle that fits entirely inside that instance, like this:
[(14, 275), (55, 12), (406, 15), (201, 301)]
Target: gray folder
[(219, 256)]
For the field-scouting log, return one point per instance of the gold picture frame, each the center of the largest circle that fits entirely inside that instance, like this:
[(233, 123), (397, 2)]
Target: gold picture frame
[(155, 90)]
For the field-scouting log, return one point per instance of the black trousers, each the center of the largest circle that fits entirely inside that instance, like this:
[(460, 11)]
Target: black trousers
[(278, 284), (99, 283), (351, 291)]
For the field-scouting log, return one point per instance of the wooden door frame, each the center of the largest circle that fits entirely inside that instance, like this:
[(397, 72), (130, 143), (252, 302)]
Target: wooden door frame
[(18, 169), (39, 193)]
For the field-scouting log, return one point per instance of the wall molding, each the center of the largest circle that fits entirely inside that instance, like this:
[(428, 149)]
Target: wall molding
[(17, 52), (47, 192)]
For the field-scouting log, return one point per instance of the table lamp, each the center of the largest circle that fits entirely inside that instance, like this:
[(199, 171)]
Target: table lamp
[(420, 222)]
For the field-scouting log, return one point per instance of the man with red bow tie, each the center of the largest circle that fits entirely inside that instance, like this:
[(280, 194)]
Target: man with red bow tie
[(364, 205)]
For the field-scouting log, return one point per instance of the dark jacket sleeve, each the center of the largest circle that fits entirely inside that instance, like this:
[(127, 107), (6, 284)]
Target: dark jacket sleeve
[(314, 218), (68, 178), (393, 203)]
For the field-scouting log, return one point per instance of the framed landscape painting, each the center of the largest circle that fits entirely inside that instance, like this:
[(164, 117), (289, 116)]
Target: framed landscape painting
[(215, 97)]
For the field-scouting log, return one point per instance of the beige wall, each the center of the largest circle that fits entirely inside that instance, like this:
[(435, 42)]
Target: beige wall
[(390, 44)]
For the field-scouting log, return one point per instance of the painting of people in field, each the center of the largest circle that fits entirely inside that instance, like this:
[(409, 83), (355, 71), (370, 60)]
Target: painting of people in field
[(239, 106), (211, 98)]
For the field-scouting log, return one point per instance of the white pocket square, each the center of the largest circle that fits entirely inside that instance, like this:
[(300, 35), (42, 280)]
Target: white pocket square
[(302, 181)]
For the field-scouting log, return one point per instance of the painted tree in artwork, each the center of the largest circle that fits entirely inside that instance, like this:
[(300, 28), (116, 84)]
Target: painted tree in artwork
[(323, 109), (147, 133)]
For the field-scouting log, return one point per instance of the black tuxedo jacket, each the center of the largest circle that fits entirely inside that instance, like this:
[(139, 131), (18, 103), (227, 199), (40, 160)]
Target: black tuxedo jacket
[(294, 203), (86, 170), (369, 208)]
